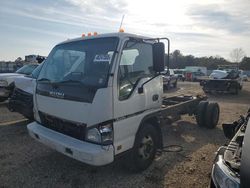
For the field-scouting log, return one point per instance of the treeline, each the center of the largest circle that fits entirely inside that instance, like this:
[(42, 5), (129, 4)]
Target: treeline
[(180, 61)]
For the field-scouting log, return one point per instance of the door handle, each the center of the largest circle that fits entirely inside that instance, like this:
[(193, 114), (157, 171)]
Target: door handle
[(155, 97)]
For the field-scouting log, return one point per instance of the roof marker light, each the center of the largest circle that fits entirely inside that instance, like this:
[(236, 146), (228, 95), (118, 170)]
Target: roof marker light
[(95, 33), (121, 30), (83, 35), (89, 34)]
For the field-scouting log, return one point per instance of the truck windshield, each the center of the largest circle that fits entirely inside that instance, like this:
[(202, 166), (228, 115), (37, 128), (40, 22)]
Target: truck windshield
[(85, 61)]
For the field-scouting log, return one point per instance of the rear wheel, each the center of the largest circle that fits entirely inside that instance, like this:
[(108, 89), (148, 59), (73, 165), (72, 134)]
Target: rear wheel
[(200, 114), (144, 150), (212, 115)]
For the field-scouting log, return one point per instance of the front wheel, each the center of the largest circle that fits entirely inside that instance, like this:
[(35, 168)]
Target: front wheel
[(144, 150), (212, 115)]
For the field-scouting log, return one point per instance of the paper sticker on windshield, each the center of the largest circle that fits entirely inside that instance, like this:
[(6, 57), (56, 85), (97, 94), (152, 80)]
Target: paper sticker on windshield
[(102, 58)]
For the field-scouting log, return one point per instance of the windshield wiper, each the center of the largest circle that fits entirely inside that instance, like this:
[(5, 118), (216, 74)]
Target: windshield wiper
[(78, 82), (44, 79), (69, 81)]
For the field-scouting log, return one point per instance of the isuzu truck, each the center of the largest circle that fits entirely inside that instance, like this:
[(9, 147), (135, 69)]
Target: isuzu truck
[(99, 97)]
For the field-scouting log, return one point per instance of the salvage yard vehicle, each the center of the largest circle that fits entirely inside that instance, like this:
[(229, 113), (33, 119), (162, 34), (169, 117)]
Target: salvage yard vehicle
[(223, 80), (22, 98), (180, 73), (170, 79), (194, 76), (7, 80), (232, 162), (101, 96)]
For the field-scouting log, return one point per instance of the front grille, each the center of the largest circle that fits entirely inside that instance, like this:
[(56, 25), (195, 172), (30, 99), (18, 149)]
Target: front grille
[(73, 129), (23, 96)]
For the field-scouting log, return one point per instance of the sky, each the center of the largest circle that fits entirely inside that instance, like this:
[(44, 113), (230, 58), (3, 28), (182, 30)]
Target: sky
[(197, 27)]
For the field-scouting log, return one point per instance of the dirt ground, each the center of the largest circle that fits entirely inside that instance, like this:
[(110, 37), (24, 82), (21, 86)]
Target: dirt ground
[(26, 163)]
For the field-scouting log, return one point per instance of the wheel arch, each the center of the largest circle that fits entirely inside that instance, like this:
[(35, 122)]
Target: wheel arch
[(154, 120)]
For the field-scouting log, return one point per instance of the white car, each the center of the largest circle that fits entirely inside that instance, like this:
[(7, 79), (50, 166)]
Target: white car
[(22, 98), (7, 80), (169, 79)]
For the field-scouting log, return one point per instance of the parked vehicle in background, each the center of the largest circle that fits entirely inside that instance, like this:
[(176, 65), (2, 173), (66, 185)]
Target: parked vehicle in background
[(194, 76), (245, 77), (22, 98), (7, 80), (196, 69), (223, 80), (232, 162), (180, 73), (170, 79)]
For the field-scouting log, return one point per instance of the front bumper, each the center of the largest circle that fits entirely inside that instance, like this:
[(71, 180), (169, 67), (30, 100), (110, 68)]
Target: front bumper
[(4, 92), (85, 152), (222, 176)]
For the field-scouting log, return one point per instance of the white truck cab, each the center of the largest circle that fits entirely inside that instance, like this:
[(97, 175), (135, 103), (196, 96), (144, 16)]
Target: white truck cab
[(99, 96)]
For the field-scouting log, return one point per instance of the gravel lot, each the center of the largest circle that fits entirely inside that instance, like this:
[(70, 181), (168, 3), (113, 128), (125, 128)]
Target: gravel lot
[(26, 163)]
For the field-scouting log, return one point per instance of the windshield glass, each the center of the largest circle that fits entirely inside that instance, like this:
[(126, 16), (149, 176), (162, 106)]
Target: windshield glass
[(84, 61), (26, 69), (36, 71)]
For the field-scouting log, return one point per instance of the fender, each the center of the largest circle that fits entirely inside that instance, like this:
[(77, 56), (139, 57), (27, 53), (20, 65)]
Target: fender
[(155, 120)]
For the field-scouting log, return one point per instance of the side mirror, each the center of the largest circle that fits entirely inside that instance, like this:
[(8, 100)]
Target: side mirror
[(158, 57)]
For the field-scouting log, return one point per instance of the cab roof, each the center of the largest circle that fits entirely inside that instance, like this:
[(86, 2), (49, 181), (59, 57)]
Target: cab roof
[(120, 35)]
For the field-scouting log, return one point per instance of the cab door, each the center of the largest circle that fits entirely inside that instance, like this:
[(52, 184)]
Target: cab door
[(135, 67)]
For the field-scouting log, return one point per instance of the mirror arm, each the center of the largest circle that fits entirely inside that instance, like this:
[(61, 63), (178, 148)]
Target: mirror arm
[(140, 89)]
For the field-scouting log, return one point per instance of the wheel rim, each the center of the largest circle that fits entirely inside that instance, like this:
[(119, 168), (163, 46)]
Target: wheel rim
[(146, 147)]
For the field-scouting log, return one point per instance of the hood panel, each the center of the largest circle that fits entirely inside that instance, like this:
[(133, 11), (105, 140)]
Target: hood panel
[(218, 74), (9, 77), (65, 109), (100, 110), (5, 75)]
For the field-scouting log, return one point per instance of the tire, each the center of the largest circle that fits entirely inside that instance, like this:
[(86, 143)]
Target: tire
[(175, 84), (200, 114), (212, 115), (144, 150)]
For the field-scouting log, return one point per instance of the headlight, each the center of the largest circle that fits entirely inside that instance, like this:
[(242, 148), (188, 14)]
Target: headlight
[(101, 134), (94, 135), (3, 83), (224, 178)]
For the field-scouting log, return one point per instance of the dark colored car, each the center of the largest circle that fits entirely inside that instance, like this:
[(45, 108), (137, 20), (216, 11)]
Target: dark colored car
[(231, 168)]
